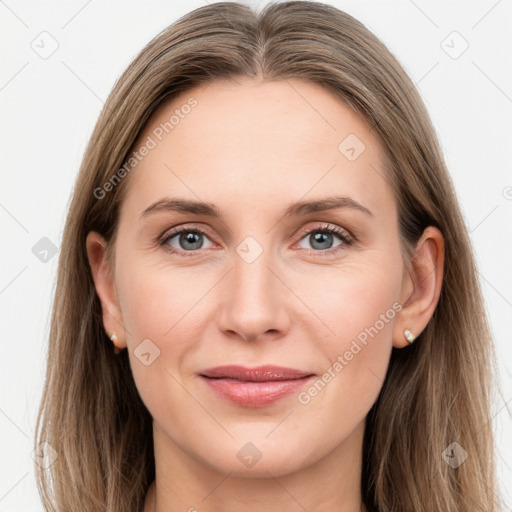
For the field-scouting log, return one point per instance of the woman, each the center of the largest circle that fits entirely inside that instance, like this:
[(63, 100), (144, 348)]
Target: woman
[(249, 370)]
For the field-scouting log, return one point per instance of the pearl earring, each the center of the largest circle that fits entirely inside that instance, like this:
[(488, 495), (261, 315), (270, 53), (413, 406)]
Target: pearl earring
[(409, 336), (113, 339)]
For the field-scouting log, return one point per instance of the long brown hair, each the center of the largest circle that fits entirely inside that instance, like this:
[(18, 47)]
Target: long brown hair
[(436, 392)]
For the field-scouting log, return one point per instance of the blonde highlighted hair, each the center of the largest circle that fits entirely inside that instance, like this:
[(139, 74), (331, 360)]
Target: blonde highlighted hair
[(436, 392)]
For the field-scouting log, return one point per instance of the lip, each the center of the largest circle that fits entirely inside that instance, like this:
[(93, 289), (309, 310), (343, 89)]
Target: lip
[(254, 387)]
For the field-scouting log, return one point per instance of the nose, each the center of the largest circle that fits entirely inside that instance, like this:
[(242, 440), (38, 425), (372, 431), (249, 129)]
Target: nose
[(254, 299)]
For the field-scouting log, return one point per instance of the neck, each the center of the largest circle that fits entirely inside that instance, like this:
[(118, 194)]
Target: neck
[(185, 483)]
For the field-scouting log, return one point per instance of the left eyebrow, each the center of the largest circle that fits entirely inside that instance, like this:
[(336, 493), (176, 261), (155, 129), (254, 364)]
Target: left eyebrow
[(329, 203), (294, 209)]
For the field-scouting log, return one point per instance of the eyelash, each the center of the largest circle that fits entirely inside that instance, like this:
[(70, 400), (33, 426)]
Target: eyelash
[(345, 237)]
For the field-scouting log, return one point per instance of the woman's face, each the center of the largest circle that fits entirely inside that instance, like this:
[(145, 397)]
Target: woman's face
[(261, 282)]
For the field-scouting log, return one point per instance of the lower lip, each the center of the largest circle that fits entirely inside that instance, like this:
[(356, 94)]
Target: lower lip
[(255, 394)]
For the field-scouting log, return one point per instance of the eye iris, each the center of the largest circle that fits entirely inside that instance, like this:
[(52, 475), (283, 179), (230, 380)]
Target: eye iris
[(192, 238), (321, 237)]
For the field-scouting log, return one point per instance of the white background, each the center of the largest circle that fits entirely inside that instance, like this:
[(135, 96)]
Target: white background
[(49, 107)]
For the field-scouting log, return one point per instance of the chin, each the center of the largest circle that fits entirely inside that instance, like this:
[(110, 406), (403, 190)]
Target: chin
[(259, 458)]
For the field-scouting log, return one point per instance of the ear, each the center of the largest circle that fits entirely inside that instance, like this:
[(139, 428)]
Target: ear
[(421, 286), (104, 283)]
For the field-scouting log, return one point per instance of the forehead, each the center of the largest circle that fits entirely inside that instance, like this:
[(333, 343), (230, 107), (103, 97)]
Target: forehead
[(226, 140)]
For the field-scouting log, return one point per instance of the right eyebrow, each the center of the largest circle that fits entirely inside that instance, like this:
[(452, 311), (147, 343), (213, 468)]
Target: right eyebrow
[(183, 206)]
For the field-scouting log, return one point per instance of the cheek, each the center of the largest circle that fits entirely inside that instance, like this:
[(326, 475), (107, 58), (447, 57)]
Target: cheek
[(357, 299), (156, 301), (359, 308), (167, 307), (147, 307), (158, 312)]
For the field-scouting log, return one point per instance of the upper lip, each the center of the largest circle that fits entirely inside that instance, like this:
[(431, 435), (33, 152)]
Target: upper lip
[(259, 374)]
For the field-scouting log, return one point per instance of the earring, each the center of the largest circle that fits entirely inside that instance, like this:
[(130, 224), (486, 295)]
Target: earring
[(409, 336), (113, 339)]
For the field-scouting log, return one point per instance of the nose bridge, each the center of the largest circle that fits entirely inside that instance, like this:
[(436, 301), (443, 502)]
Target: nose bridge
[(253, 301), (251, 271)]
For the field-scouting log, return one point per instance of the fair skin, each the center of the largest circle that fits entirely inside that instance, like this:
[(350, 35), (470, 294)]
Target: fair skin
[(252, 148)]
